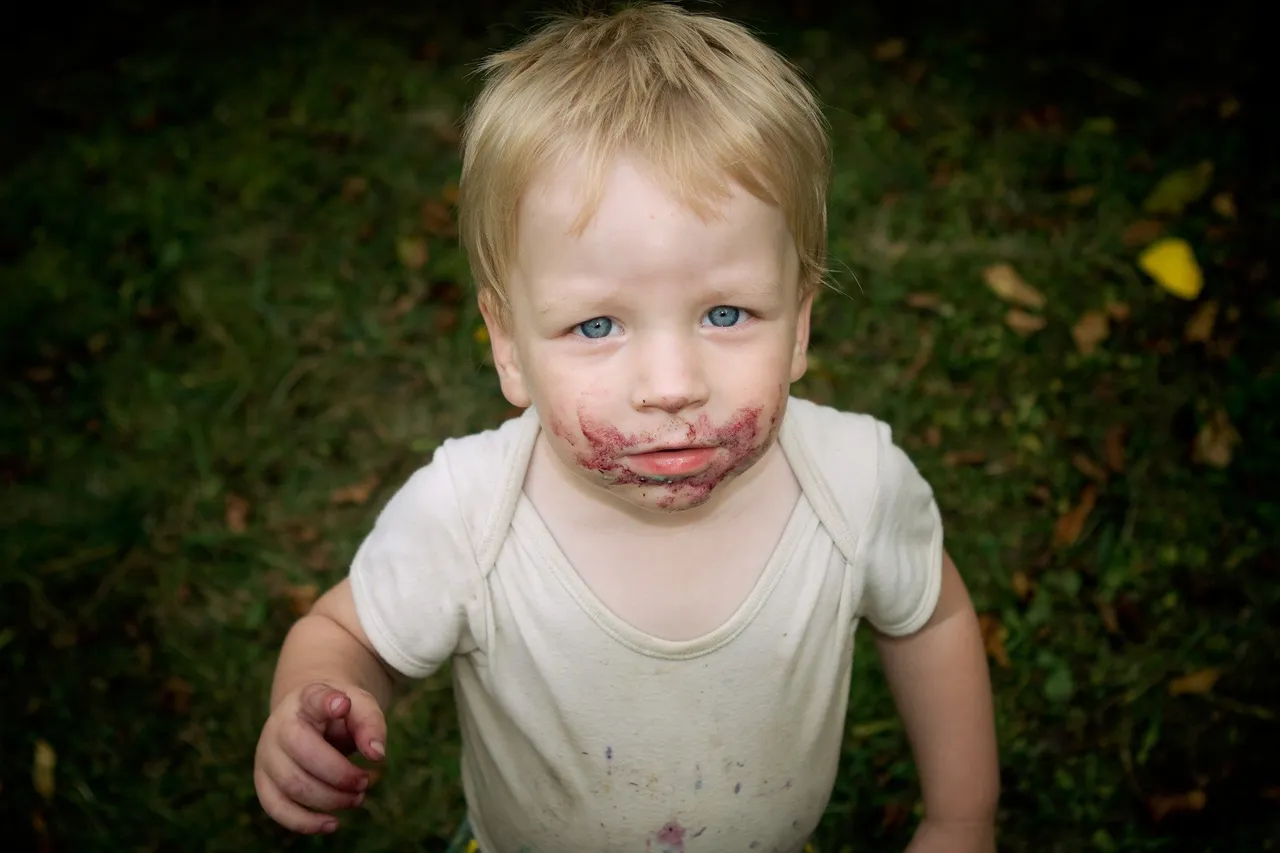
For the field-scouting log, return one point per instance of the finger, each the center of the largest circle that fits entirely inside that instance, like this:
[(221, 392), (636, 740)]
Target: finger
[(367, 725), (287, 813), (336, 733), (305, 789), (319, 702), (307, 749)]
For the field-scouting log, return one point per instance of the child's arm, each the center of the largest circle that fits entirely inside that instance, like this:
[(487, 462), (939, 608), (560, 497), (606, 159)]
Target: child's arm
[(327, 701), (940, 683)]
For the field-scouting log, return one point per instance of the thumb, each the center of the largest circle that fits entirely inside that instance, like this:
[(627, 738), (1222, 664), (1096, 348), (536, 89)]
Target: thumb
[(367, 725), (319, 703)]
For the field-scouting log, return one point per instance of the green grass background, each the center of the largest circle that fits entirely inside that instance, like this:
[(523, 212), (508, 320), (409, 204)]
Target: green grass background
[(206, 311)]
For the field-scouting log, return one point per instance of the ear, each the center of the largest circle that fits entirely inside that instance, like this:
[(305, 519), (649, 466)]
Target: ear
[(800, 356), (506, 356)]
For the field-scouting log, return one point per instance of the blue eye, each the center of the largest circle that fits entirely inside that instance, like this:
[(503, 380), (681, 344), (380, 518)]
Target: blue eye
[(598, 327), (724, 316)]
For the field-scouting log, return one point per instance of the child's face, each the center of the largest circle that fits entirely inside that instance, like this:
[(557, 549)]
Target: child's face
[(657, 347)]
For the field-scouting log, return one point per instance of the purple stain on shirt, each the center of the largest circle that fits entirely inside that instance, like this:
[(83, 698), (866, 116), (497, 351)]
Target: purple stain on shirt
[(671, 836)]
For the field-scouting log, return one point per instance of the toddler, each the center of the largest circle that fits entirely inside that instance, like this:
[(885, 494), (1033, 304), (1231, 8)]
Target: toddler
[(648, 584)]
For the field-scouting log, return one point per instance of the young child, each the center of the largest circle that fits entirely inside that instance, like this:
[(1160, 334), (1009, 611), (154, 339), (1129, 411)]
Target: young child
[(649, 583)]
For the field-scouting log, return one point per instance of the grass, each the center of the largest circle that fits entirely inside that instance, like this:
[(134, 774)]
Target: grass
[(224, 350)]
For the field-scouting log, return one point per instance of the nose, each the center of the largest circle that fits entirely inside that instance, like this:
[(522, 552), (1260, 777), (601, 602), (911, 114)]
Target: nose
[(669, 374)]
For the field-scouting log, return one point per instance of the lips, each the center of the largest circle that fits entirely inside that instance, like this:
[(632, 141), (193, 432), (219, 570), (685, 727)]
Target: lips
[(672, 461)]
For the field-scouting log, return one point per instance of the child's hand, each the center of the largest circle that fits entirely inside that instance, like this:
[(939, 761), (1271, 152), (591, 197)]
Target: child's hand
[(301, 770)]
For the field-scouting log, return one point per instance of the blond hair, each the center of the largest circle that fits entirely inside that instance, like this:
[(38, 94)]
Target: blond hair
[(698, 99)]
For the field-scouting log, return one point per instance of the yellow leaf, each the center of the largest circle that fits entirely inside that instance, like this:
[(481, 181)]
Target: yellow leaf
[(1195, 683), (1199, 328), (1178, 189), (1091, 329), (42, 767), (1173, 266), (1005, 283)]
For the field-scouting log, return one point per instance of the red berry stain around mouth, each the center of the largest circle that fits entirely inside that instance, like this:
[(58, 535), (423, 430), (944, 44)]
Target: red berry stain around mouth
[(738, 442)]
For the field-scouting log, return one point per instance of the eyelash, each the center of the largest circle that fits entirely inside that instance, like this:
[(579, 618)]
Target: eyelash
[(744, 314)]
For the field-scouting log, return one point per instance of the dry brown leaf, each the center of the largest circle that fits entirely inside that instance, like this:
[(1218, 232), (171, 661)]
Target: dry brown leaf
[(993, 637), (1069, 527), (302, 597), (1216, 441), (1005, 283), (450, 194), (1195, 683), (1021, 585), (1091, 329), (403, 305), (1199, 328), (1113, 447), (889, 50), (924, 301), (1080, 196), (354, 187), (1142, 232), (236, 513), (1085, 465), (40, 375), (356, 493), (1023, 323), (445, 319), (1163, 805), (933, 435), (412, 252), (964, 458), (1119, 311), (1110, 619), (436, 218), (43, 764)]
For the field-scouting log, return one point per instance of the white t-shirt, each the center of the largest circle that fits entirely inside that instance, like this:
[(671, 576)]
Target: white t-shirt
[(582, 733)]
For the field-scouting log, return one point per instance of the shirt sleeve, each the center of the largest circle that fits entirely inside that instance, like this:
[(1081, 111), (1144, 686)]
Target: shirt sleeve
[(901, 550), (414, 578)]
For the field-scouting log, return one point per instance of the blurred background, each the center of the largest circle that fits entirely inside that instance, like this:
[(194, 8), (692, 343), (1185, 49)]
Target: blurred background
[(235, 318)]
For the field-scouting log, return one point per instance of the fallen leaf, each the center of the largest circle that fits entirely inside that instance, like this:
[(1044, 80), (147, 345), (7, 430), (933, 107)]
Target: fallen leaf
[(1118, 311), (1216, 441), (1080, 196), (1173, 266), (40, 375), (354, 187), (993, 637), (450, 194), (896, 814), (1023, 323), (933, 435), (305, 534), (1176, 190), (1199, 328), (236, 513), (924, 301), (1071, 524), (1195, 683), (356, 493), (1224, 204), (1091, 329), (1163, 805), (412, 252), (1110, 620), (42, 769), (1005, 283), (1113, 447), (1021, 585), (1142, 232), (436, 218), (1088, 467), (302, 597), (889, 50), (177, 695), (446, 320), (963, 458)]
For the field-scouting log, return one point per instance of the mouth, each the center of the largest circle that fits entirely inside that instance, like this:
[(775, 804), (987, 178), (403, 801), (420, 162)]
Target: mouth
[(670, 463)]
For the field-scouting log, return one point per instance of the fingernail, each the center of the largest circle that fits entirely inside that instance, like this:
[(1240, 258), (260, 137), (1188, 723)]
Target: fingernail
[(362, 783), (334, 704), (329, 826), (376, 749), (359, 799)]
